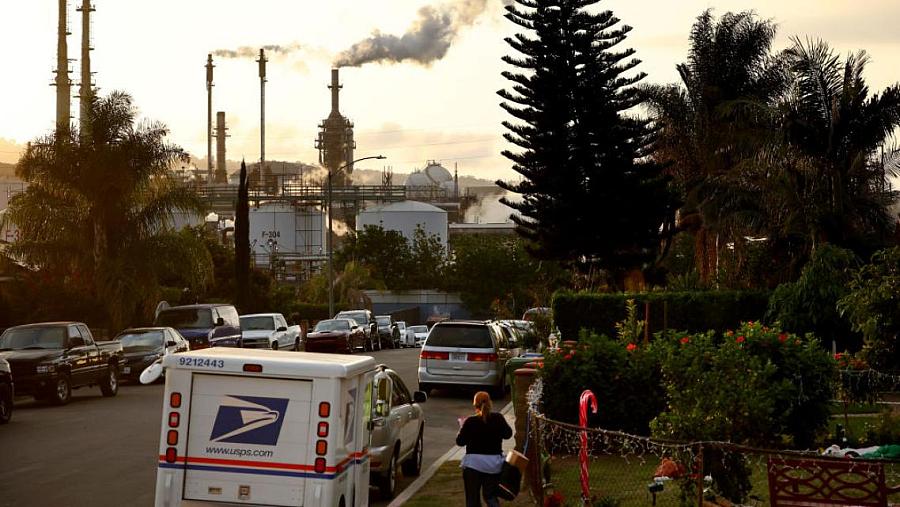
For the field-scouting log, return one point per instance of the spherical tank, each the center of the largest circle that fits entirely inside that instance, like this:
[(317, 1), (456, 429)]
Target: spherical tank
[(405, 217), (283, 229)]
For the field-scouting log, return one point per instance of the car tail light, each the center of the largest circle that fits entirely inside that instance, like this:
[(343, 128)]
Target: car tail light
[(430, 354), (173, 419), (321, 447), (324, 409), (253, 368), (319, 465), (323, 429), (171, 455), (172, 437), (481, 358), (175, 400)]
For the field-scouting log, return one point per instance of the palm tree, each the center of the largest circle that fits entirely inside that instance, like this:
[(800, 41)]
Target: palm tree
[(716, 117), (98, 209)]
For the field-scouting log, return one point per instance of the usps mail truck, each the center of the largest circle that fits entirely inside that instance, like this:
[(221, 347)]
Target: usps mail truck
[(263, 427)]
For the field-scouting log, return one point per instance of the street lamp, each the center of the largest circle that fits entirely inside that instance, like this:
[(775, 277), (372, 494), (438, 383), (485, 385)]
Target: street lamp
[(330, 240)]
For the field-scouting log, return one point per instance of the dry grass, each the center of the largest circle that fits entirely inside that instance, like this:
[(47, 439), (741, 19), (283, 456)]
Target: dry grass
[(445, 489)]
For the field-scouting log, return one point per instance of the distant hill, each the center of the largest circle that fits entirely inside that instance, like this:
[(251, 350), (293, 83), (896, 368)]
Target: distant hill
[(7, 171)]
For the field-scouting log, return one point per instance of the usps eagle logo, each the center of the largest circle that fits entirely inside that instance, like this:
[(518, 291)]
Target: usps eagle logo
[(249, 420)]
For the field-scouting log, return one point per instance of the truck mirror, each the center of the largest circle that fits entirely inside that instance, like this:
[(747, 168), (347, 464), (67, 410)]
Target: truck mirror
[(381, 407), (220, 322), (281, 329), (171, 343)]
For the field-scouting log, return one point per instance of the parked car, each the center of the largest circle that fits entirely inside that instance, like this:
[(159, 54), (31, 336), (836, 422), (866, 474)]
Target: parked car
[(335, 336), (407, 339), (50, 359), (419, 334), (466, 353), (388, 334), (366, 321), (7, 392), (142, 346), (268, 331), (398, 433), (533, 313), (203, 325)]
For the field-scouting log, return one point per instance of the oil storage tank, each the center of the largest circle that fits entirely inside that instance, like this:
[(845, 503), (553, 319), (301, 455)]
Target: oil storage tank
[(285, 230), (405, 217)]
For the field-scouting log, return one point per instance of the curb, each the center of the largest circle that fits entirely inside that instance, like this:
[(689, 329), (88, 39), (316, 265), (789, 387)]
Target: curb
[(414, 488)]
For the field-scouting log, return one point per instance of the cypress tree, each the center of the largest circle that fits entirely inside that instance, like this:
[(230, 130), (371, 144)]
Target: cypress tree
[(242, 242), (590, 195)]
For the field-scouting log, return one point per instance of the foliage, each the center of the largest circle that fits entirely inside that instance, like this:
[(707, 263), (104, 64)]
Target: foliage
[(581, 156), (394, 262), (623, 377), (872, 306), (347, 285), (631, 329), (755, 386), (693, 311), (242, 241), (810, 303), (97, 208)]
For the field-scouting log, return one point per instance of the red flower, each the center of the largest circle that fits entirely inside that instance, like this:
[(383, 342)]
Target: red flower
[(567, 357), (782, 337), (740, 339), (685, 340), (838, 356), (630, 347)]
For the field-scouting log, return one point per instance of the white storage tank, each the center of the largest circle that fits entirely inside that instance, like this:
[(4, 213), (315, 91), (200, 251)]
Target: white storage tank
[(286, 230), (404, 217)]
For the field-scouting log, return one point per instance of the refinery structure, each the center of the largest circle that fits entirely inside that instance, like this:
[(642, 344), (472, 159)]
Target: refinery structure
[(289, 213)]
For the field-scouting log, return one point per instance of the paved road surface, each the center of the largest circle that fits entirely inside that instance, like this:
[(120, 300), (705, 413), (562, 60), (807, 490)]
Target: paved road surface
[(102, 451)]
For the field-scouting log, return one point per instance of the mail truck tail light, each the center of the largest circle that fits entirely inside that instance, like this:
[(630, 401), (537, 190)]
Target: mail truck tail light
[(171, 455), (430, 354), (324, 409), (321, 447), (323, 429), (172, 437), (253, 368), (174, 419), (482, 358), (175, 400), (319, 465)]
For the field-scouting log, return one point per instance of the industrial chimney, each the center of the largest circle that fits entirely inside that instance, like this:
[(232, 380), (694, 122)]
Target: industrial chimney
[(335, 141), (86, 90), (221, 129), (209, 130), (62, 81), (262, 109)]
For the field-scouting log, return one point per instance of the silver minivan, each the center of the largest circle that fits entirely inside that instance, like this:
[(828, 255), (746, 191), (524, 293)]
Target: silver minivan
[(466, 353)]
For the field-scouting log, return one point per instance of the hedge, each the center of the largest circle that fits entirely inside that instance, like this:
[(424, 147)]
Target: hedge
[(695, 311)]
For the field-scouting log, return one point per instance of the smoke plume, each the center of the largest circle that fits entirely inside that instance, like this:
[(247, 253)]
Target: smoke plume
[(426, 41), (253, 52)]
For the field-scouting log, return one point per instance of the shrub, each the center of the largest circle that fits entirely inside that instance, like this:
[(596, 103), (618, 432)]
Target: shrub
[(623, 377), (695, 311)]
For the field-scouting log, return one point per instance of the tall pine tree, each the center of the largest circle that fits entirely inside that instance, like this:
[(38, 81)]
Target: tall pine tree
[(590, 195), (242, 242)]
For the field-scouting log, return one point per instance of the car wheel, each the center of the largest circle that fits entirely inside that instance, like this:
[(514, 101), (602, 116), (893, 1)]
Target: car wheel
[(425, 388), (109, 386), (274, 345), (387, 483), (62, 391), (6, 405), (413, 465)]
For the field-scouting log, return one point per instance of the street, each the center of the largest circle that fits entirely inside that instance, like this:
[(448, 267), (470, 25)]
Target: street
[(103, 451)]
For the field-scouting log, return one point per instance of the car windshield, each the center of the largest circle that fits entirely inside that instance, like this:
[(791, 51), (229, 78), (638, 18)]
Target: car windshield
[(383, 321), (257, 323), (18, 338), (140, 341), (332, 325), (418, 329), (358, 317), (473, 336), (186, 318)]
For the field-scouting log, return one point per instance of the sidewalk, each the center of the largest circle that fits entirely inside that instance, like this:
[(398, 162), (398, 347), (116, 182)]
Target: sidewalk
[(453, 457)]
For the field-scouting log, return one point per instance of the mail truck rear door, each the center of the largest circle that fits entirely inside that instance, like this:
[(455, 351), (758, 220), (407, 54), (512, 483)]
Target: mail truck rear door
[(248, 440)]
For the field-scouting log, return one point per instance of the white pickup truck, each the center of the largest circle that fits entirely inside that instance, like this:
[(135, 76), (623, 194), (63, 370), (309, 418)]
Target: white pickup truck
[(269, 331)]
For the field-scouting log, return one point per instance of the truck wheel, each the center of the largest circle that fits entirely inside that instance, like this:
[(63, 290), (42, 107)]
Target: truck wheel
[(274, 345), (61, 392), (377, 345), (387, 484), (413, 465), (6, 405), (109, 386)]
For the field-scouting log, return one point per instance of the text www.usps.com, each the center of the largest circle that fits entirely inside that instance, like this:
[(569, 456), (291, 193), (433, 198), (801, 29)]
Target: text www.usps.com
[(256, 453)]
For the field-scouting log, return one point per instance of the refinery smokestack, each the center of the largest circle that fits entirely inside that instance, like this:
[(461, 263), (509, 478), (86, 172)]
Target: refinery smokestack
[(335, 91), (262, 109), (86, 90), (209, 131), (221, 174), (62, 82)]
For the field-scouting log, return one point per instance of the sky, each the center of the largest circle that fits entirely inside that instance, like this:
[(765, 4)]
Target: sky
[(445, 109)]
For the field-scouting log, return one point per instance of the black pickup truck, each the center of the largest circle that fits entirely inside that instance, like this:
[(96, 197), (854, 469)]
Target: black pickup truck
[(50, 359)]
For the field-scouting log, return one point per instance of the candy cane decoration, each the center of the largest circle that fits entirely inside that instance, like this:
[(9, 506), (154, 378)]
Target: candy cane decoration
[(587, 398)]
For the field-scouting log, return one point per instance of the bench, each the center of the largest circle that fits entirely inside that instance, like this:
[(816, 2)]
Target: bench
[(822, 482)]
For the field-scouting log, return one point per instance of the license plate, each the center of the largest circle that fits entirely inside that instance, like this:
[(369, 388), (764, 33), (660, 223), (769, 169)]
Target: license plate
[(126, 370), (458, 356)]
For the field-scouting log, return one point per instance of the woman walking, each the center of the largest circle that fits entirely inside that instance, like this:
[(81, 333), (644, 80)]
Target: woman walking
[(482, 434)]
